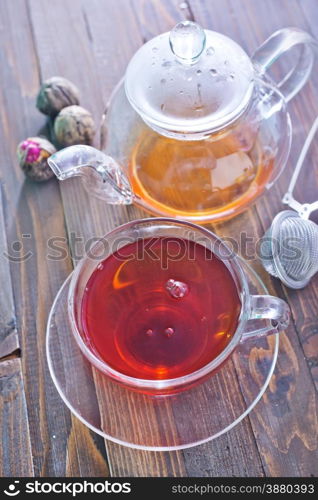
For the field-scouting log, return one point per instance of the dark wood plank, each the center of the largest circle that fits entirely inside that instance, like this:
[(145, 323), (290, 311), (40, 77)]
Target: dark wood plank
[(154, 18), (85, 217), (101, 41), (284, 422), (33, 214), (303, 110), (307, 321), (9, 340), (15, 451)]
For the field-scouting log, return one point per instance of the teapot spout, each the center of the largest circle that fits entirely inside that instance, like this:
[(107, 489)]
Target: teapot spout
[(101, 174)]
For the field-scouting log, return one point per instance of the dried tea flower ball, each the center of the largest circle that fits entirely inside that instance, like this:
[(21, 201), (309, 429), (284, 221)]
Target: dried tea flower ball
[(32, 155), (74, 125), (55, 94)]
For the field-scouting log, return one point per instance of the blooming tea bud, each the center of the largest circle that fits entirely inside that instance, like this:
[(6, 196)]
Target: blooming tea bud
[(55, 94), (74, 125), (32, 156)]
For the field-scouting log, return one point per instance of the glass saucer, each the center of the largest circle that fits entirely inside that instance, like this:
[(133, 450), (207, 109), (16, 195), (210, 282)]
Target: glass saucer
[(159, 423)]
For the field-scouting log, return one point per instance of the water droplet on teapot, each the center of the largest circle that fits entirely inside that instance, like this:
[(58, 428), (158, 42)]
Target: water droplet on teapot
[(181, 92), (189, 78), (210, 51), (154, 49), (232, 76), (226, 62), (100, 266), (150, 87), (199, 72), (166, 64), (213, 71), (177, 289), (169, 332), (183, 6), (149, 332), (163, 81)]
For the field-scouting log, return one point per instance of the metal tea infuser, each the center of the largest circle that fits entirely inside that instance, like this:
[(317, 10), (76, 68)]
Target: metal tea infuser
[(290, 245)]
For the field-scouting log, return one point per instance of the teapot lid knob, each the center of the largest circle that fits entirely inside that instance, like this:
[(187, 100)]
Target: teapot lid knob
[(189, 81), (187, 41)]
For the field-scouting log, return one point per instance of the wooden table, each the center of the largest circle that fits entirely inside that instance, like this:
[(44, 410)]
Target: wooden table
[(90, 42)]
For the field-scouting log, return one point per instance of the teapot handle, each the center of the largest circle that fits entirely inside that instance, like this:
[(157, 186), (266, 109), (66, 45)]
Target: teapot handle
[(278, 44)]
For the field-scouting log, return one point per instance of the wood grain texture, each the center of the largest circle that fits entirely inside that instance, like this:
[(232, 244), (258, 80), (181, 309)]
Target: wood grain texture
[(91, 42), (9, 340), (86, 217), (15, 451), (103, 39), (304, 109), (33, 214), (155, 17), (101, 218), (286, 439)]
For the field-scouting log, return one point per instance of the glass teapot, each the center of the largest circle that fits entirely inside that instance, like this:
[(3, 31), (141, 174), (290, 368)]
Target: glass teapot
[(196, 129)]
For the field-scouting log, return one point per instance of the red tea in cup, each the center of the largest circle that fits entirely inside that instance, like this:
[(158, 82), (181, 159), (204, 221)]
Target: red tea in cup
[(160, 308)]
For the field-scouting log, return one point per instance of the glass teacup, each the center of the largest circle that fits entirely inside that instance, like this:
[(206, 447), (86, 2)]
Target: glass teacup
[(159, 305)]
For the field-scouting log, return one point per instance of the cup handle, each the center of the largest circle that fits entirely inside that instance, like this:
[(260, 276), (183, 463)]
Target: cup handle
[(266, 307), (275, 46)]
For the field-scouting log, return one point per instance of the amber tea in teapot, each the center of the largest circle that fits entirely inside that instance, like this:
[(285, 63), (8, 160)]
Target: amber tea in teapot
[(198, 178)]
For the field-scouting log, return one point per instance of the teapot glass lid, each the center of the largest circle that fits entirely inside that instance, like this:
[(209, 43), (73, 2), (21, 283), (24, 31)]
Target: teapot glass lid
[(189, 80)]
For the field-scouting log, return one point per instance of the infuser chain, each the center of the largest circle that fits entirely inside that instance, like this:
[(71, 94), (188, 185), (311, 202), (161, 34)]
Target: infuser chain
[(304, 209)]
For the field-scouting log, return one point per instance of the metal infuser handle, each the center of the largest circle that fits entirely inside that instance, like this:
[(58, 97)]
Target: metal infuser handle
[(304, 210)]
